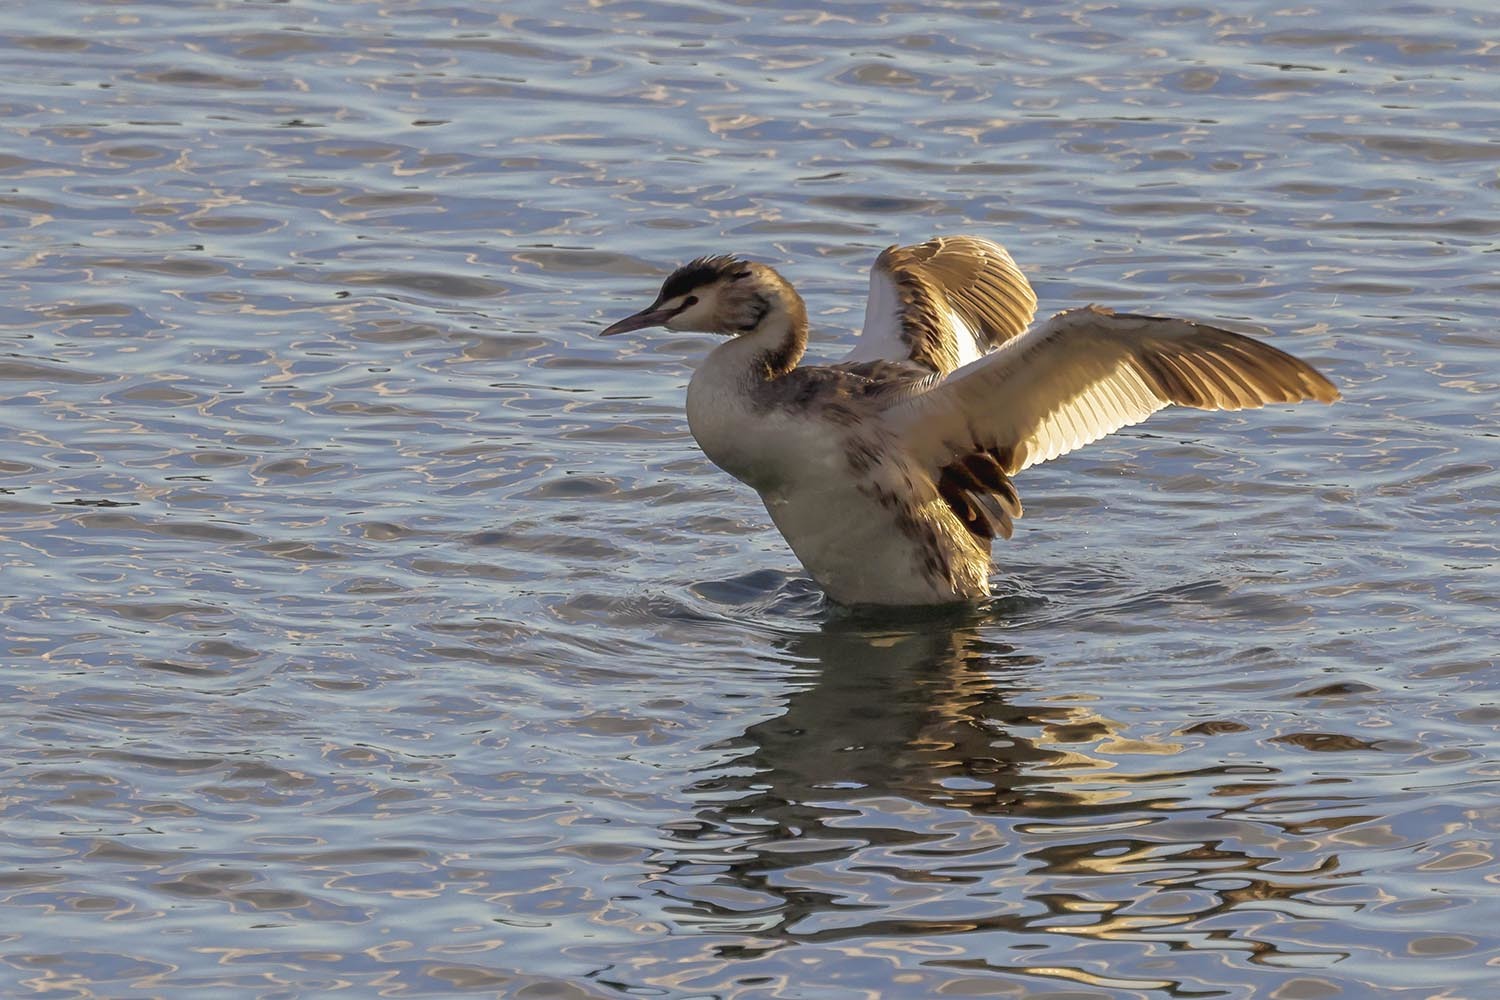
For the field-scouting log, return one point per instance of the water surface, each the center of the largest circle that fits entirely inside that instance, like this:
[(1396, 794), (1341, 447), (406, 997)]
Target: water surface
[(374, 629)]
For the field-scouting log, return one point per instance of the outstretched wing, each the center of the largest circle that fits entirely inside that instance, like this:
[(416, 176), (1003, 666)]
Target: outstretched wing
[(1086, 373), (943, 303)]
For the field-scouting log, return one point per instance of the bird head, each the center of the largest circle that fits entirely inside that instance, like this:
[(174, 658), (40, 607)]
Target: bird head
[(723, 294)]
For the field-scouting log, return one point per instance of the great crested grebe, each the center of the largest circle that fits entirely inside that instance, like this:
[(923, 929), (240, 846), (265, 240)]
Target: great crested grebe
[(889, 472)]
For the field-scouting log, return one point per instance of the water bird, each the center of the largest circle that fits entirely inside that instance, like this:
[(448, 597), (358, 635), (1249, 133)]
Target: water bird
[(890, 472)]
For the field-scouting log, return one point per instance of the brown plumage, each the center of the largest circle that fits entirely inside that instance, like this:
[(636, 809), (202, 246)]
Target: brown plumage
[(963, 276), (981, 494), (890, 473), (1088, 372)]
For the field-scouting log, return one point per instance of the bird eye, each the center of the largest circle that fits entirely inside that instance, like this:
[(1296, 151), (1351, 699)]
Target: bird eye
[(691, 300)]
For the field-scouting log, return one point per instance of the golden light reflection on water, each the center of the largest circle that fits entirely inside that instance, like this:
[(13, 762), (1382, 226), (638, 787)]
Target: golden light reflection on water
[(373, 627)]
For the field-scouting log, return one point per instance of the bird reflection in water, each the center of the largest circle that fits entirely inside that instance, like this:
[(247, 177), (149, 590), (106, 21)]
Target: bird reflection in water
[(915, 787), (894, 727)]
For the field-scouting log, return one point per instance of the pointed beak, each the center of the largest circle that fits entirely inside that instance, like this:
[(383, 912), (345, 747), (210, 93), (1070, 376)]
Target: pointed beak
[(649, 316)]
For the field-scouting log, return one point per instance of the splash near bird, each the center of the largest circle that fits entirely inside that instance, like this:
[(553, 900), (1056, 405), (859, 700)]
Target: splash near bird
[(889, 473)]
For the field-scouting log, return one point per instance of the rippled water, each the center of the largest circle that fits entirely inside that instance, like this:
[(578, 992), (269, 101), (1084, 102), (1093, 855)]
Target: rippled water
[(375, 629)]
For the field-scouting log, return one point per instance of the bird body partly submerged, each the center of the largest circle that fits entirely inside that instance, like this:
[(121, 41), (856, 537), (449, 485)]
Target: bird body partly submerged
[(863, 537), (889, 473)]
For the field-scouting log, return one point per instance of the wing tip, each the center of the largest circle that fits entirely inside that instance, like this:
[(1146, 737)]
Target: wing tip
[(1324, 391), (1297, 381)]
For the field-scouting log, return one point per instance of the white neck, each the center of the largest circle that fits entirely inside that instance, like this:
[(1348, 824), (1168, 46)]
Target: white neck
[(722, 410), (775, 345)]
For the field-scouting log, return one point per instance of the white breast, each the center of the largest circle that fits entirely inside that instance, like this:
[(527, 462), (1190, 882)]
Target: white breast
[(860, 534), (861, 551), (758, 446)]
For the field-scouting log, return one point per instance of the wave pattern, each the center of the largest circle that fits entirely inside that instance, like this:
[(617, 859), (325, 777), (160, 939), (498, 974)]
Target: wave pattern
[(374, 629)]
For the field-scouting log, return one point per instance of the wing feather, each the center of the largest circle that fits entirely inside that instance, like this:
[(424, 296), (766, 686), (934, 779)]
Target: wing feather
[(1086, 373), (943, 303)]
